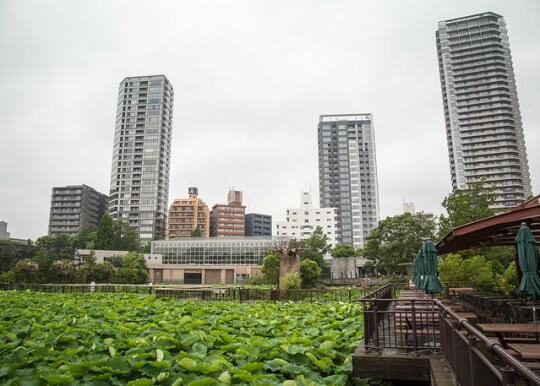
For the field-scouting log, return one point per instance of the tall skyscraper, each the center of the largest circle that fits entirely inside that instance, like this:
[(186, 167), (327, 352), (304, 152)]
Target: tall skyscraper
[(482, 117), (141, 154), (348, 174), (75, 207)]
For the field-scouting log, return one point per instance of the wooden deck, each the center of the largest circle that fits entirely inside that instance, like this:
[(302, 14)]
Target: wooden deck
[(423, 365)]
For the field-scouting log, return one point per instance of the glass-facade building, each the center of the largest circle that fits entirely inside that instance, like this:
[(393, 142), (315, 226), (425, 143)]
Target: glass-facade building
[(213, 251), (141, 154), (482, 116), (348, 174)]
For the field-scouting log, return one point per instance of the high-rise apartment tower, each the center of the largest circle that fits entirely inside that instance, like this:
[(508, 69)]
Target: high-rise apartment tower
[(482, 117), (348, 174), (188, 214), (141, 154)]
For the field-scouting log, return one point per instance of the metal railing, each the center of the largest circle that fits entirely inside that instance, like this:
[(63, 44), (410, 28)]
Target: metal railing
[(427, 325), (240, 294), (79, 288)]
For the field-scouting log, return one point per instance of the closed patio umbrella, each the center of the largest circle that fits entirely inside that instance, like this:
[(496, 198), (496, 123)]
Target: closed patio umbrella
[(528, 261), (420, 267), (415, 271), (431, 283)]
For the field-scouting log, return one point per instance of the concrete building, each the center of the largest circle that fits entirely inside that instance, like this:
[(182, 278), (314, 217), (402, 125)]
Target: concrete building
[(301, 222), (347, 267), (4, 234), (258, 224), (75, 207), (187, 214), (482, 116), (348, 174), (207, 260), (228, 220), (141, 154)]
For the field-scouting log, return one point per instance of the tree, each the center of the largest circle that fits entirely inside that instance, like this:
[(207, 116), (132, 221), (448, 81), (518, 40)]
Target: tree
[(104, 233), (465, 206), (125, 237), (397, 240), (196, 233), (315, 248), (270, 267), (85, 238), (344, 251), (310, 273), (133, 270), (476, 269), (25, 271), (63, 271)]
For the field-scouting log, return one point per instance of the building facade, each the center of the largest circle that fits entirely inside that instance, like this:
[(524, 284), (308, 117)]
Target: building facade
[(207, 260), (258, 224), (75, 207), (4, 234), (482, 116), (228, 220), (301, 222), (188, 214), (348, 174), (141, 154)]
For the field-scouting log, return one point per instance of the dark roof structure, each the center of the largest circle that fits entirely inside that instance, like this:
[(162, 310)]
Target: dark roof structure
[(497, 230)]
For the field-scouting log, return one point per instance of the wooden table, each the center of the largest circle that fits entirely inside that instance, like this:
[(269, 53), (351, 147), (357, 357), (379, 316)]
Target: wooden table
[(526, 351), (467, 315)]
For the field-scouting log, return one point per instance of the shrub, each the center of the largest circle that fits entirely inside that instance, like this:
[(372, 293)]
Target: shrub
[(291, 280)]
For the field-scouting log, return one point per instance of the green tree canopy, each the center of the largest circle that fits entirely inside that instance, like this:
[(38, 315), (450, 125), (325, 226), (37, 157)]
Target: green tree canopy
[(477, 269), (196, 232), (105, 233), (465, 206), (125, 237), (270, 267), (310, 273), (397, 240), (315, 248), (344, 251)]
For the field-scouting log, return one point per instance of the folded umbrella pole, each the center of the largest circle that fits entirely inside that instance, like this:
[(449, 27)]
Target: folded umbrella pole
[(528, 262)]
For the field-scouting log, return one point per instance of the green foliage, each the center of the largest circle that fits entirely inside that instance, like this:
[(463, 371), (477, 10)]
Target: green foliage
[(104, 233), (397, 240), (270, 267), (25, 271), (196, 232), (133, 339), (310, 273), (315, 248), (344, 251), (125, 237), (292, 280), (132, 270), (508, 281), (465, 206), (258, 280), (477, 269), (85, 238)]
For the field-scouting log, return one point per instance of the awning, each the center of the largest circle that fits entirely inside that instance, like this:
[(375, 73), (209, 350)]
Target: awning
[(500, 229)]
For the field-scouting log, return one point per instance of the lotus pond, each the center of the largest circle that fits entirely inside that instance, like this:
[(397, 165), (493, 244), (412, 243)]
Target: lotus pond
[(102, 339)]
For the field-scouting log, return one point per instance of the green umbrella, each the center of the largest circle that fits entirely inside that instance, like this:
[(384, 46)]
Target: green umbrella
[(420, 268), (431, 283), (528, 260), (416, 270)]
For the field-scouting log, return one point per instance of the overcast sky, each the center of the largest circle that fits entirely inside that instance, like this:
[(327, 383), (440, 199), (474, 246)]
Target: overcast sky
[(250, 80)]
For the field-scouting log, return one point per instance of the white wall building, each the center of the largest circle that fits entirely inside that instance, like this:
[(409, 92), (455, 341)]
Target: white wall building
[(302, 221)]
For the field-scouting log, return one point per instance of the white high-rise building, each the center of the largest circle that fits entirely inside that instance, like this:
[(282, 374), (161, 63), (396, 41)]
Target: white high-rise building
[(301, 222), (348, 174), (141, 154), (482, 116)]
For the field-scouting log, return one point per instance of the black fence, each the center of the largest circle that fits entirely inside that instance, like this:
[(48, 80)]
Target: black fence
[(241, 294), (80, 288)]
